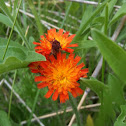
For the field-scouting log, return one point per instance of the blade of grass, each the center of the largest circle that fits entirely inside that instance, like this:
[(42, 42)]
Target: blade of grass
[(66, 15), (39, 7), (37, 17), (33, 107), (11, 31), (10, 5), (15, 73), (24, 16)]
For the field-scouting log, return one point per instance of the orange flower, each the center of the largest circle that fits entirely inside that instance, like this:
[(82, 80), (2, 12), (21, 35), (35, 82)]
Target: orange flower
[(54, 42), (61, 75)]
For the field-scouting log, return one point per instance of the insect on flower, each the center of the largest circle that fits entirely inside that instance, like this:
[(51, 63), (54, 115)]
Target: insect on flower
[(54, 42)]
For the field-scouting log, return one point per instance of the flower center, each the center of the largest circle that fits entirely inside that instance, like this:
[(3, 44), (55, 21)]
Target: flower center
[(62, 80)]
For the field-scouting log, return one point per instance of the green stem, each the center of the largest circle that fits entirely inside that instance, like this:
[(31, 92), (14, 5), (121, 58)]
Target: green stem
[(55, 107), (106, 20), (39, 7), (103, 69), (33, 107), (11, 31), (12, 93), (64, 115), (24, 16), (10, 6), (105, 32), (67, 12), (74, 106)]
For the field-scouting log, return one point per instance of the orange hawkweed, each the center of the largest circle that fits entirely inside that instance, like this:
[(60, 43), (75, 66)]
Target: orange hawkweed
[(53, 42), (60, 75)]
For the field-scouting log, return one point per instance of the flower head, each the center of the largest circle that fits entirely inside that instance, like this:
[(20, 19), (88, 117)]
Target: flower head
[(61, 75), (54, 42)]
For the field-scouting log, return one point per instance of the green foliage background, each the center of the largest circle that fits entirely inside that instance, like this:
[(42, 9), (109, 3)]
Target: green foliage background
[(99, 22)]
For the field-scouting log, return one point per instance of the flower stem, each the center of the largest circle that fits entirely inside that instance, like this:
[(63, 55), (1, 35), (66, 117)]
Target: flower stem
[(12, 94), (74, 106), (67, 12), (33, 107)]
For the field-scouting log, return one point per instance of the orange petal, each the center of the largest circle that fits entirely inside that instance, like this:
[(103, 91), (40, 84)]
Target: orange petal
[(79, 91), (60, 31), (43, 64), (48, 94), (71, 37), (68, 50), (63, 97), (83, 72), (34, 71), (38, 47), (80, 65), (42, 85), (66, 34), (77, 59), (73, 92), (42, 36), (51, 58), (63, 56), (38, 78), (36, 43), (55, 95)]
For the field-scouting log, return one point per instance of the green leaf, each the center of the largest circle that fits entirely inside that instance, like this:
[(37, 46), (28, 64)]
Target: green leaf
[(106, 110), (17, 56), (86, 15), (5, 20), (95, 85), (12, 62), (106, 114), (116, 90), (4, 121), (113, 54), (120, 13), (122, 117), (85, 44), (122, 35), (14, 49)]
